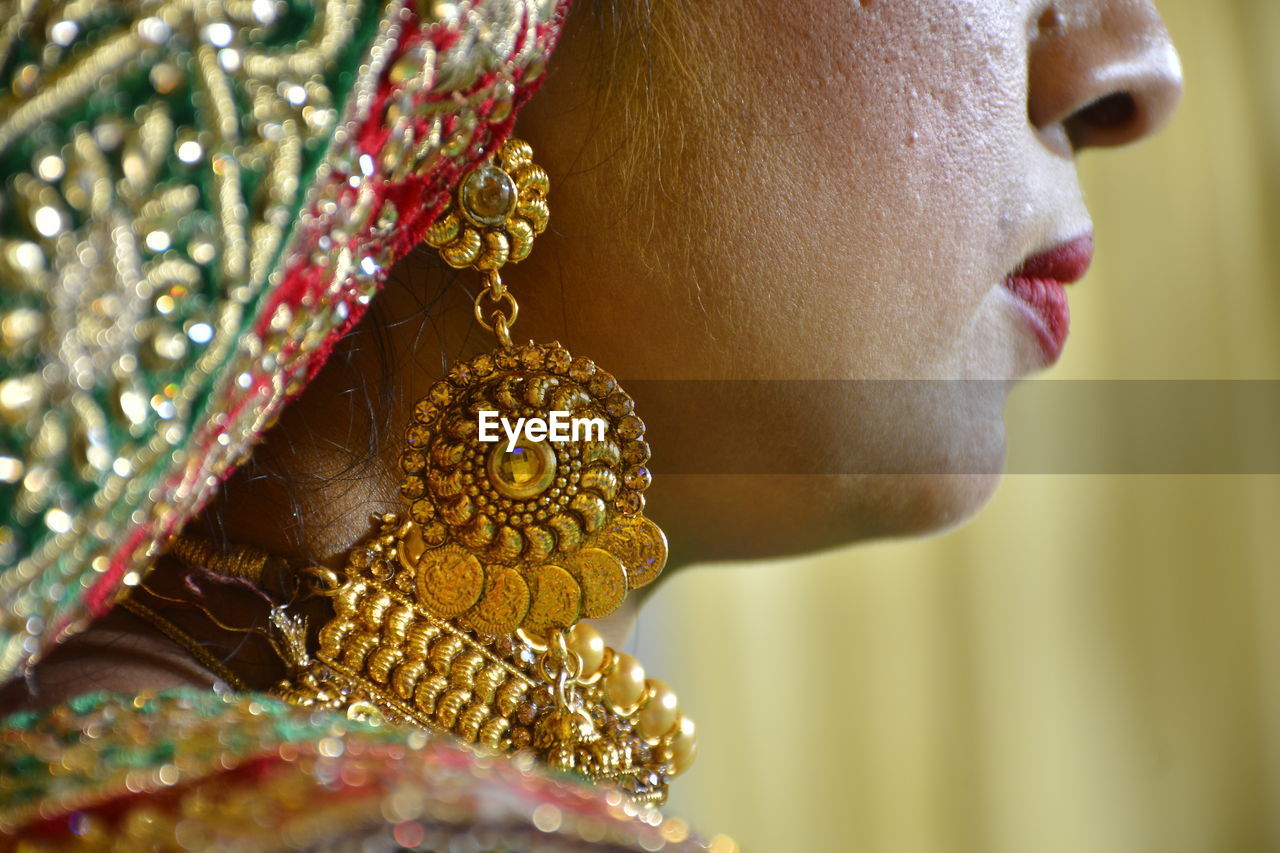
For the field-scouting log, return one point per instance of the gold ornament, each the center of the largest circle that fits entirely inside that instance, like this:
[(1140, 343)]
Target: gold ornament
[(500, 207), (463, 613)]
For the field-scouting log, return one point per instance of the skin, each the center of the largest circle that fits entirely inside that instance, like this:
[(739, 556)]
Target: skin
[(799, 191)]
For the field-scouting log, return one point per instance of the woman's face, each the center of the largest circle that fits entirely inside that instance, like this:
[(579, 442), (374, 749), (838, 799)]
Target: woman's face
[(834, 190), (828, 190)]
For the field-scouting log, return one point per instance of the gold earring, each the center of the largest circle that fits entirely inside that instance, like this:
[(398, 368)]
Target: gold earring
[(464, 614)]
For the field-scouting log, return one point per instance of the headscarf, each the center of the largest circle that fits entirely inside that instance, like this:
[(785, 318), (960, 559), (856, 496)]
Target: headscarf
[(198, 200)]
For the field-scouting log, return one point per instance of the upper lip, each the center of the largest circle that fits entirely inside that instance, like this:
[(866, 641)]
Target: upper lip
[(1065, 263)]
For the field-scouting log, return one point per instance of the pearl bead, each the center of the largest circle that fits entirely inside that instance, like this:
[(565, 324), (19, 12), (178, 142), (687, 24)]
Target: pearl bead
[(586, 643), (624, 685), (684, 746), (658, 715)]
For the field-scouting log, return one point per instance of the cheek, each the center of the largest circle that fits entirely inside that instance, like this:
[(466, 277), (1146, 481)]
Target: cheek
[(860, 199), (880, 158), (826, 203)]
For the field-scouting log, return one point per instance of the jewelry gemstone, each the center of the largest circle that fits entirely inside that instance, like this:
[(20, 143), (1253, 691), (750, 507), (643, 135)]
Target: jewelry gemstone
[(519, 467), (525, 471), (488, 196)]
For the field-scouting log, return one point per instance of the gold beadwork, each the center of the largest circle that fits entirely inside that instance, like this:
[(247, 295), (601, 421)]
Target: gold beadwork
[(384, 648), (112, 772), (658, 716), (573, 508), (508, 541), (624, 684), (171, 165)]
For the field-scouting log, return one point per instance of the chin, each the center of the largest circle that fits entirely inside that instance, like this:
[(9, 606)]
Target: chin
[(936, 503), (711, 518), (936, 456)]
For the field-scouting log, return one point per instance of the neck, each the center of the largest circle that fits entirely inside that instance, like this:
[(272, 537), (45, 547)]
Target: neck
[(117, 653)]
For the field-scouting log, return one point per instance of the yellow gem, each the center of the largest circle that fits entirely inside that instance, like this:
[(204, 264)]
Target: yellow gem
[(523, 472)]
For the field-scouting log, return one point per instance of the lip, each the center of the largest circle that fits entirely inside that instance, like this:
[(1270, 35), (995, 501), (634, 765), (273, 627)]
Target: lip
[(1039, 285)]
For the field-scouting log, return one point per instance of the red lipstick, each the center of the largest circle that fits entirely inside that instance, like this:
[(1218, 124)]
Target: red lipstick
[(1039, 285)]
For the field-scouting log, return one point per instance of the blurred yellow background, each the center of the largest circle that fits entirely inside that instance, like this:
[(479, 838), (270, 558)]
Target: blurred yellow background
[(1093, 664)]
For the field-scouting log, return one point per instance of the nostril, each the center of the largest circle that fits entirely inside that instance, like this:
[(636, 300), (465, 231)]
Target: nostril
[(1106, 120), (1109, 112), (1100, 73)]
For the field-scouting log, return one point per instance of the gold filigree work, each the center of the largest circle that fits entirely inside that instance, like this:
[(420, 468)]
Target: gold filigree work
[(465, 614), (391, 651), (567, 516), (496, 213)]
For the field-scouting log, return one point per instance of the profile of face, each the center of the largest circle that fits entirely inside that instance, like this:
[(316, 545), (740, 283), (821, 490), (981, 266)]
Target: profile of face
[(827, 190)]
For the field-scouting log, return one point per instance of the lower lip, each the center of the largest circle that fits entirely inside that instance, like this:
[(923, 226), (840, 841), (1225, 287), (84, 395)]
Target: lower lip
[(1044, 302), (1039, 289)]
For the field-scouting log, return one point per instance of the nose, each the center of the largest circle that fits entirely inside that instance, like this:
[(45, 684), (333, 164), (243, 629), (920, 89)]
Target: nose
[(1102, 72)]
